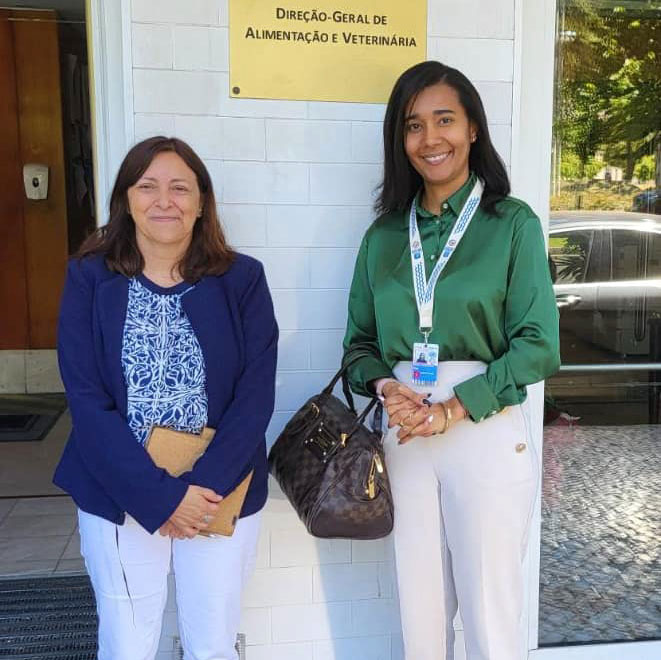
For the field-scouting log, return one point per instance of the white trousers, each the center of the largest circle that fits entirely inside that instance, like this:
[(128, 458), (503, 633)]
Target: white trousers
[(129, 567), (463, 503)]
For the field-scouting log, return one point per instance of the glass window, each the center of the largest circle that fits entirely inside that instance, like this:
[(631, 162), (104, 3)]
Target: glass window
[(599, 264), (628, 255), (599, 570), (654, 257), (569, 253), (606, 137)]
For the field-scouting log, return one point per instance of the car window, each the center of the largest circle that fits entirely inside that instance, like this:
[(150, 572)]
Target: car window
[(599, 261), (627, 254), (654, 257), (568, 255)]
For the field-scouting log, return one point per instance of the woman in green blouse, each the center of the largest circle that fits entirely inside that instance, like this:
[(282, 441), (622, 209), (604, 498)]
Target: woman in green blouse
[(453, 308)]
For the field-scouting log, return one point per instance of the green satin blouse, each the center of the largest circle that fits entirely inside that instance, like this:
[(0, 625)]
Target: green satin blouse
[(494, 301)]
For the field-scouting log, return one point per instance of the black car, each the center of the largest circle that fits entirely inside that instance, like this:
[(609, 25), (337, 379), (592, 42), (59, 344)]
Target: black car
[(606, 270)]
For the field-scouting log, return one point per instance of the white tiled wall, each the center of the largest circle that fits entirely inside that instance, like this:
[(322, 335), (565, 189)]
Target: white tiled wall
[(295, 184), (29, 372)]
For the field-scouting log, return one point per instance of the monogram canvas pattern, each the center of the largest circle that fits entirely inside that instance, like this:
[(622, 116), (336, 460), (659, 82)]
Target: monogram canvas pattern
[(329, 492)]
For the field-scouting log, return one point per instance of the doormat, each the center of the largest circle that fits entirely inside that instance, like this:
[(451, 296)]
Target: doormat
[(48, 618), (29, 418), (25, 428)]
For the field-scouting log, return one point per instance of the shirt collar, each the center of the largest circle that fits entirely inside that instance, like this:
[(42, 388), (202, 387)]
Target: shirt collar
[(455, 201)]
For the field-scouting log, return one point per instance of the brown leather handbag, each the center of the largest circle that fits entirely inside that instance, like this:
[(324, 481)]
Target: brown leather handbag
[(331, 466)]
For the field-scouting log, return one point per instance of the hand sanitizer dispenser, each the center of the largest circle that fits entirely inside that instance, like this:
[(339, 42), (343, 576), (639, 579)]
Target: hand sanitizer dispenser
[(35, 180)]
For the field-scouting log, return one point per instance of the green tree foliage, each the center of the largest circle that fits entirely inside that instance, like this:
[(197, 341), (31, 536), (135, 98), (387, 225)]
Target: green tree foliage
[(572, 167), (644, 169), (608, 88)]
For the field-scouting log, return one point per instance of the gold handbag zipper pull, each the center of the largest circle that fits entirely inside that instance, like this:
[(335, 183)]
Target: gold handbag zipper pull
[(377, 466)]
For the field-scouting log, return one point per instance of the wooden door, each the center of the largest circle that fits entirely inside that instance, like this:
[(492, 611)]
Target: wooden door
[(14, 322), (30, 58)]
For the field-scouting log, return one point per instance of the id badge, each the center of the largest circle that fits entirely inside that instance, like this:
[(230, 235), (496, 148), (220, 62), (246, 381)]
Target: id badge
[(424, 370)]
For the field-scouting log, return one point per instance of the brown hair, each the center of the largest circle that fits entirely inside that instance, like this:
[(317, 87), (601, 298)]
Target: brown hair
[(208, 252)]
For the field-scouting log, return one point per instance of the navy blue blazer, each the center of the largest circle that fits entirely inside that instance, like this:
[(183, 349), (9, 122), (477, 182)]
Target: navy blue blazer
[(103, 467)]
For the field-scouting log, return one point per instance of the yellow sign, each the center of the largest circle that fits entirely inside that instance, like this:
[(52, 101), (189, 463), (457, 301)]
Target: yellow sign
[(323, 50)]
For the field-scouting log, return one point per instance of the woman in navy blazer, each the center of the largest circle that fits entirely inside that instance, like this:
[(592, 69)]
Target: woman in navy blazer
[(162, 324)]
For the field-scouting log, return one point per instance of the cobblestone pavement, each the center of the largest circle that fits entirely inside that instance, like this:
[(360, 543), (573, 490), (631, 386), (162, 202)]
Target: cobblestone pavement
[(600, 576)]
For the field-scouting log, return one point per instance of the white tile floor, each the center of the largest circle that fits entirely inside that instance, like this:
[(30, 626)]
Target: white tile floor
[(26, 468), (39, 536)]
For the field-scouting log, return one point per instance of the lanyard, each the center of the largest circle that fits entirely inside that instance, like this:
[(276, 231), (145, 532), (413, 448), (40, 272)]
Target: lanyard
[(424, 290)]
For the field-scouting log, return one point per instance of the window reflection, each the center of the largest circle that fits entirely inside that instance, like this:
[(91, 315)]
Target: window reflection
[(628, 255), (599, 578), (600, 574), (568, 255), (606, 143), (605, 270)]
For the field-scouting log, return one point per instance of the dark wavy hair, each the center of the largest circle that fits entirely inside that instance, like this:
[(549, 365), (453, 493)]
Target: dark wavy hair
[(400, 180), (208, 252)]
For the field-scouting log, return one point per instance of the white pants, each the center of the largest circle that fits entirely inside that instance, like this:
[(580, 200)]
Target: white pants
[(463, 503), (128, 568)]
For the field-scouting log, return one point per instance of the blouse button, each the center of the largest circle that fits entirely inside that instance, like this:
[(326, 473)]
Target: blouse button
[(445, 206), (433, 256)]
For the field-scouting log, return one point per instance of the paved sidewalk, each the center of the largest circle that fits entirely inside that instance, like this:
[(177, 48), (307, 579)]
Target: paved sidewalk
[(601, 529), (600, 577)]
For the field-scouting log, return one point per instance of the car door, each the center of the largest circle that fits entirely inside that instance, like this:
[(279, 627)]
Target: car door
[(631, 302), (577, 262)]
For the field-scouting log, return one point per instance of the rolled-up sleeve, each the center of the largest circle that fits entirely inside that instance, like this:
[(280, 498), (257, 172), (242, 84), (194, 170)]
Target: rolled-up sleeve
[(531, 328)]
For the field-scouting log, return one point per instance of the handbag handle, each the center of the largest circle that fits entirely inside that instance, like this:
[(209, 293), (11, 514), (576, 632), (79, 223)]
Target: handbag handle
[(342, 373), (377, 419), (346, 363)]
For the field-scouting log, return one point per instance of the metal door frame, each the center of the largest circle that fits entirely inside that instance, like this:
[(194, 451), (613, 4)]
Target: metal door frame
[(111, 91)]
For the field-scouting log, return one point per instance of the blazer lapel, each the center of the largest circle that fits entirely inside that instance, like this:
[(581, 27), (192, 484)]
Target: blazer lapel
[(112, 300), (207, 312)]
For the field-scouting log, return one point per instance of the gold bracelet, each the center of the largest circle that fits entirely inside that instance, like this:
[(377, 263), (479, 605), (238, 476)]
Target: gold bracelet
[(448, 416)]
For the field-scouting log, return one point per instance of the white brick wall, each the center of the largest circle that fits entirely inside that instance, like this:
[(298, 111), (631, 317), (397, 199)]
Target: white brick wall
[(294, 184), (201, 48)]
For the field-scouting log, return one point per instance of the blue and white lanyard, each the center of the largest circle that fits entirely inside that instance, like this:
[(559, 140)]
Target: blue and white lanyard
[(424, 290)]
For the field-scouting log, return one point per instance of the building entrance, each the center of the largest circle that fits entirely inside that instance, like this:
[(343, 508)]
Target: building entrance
[(47, 204), (46, 209)]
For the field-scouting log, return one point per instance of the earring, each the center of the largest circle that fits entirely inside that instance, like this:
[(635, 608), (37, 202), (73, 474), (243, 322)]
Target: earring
[(473, 137)]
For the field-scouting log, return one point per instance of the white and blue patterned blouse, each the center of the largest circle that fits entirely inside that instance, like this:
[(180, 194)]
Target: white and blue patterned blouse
[(162, 361)]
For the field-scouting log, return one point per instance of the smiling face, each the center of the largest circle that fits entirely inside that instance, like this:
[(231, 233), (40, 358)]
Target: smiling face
[(165, 203), (437, 139)]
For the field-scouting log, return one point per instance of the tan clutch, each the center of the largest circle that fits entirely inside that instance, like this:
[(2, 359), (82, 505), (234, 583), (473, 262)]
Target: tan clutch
[(177, 452)]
